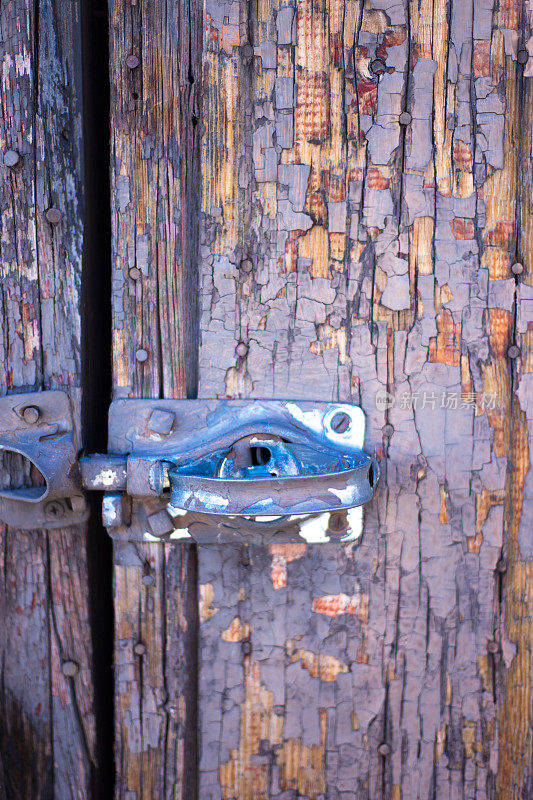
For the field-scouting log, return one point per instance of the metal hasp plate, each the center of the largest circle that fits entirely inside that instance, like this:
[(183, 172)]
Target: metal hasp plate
[(232, 470), (37, 444)]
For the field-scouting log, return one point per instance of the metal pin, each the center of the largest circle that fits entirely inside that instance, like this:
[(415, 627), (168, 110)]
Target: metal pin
[(11, 158), (53, 215)]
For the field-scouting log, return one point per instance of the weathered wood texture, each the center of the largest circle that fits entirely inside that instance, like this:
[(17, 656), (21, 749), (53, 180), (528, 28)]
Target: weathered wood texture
[(353, 256), (47, 732), (154, 54)]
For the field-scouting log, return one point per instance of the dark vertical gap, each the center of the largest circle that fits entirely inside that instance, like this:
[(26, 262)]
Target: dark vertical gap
[(96, 367)]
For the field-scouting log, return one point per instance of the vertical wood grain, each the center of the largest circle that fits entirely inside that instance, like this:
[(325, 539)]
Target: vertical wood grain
[(47, 730), (154, 171)]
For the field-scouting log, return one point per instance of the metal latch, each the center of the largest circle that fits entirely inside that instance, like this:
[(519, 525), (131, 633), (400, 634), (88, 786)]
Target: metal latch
[(39, 462), (206, 470), (232, 470)]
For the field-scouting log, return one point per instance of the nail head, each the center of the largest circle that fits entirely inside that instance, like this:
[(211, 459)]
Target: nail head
[(11, 158), (69, 669), (384, 749), (139, 649), (246, 647), (387, 429), (141, 355), (31, 415), (132, 61), (53, 215), (501, 566), (246, 265), (405, 118), (241, 349), (493, 647), (135, 273), (378, 66), (247, 51), (513, 351), (148, 580), (522, 56), (517, 269)]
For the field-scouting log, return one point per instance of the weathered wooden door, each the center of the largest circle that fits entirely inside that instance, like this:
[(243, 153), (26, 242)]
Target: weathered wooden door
[(309, 199)]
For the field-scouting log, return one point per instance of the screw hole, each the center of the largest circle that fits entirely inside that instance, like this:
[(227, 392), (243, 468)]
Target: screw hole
[(341, 422), (260, 456)]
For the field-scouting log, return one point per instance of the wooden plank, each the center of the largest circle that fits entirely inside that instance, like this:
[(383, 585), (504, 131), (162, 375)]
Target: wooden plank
[(351, 256), (154, 63), (47, 739), (516, 626)]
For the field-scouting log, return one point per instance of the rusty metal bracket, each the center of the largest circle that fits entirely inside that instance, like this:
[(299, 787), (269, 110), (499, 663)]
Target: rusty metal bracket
[(232, 470), (37, 443)]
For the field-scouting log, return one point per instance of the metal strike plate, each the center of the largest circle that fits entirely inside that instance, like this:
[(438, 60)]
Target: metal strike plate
[(39, 427), (233, 470)]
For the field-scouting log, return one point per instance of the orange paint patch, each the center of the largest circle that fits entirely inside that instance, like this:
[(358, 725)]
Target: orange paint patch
[(462, 228), (236, 631), (281, 555), (334, 604), (376, 180), (462, 155), (481, 59), (445, 347), (499, 323), (206, 599), (311, 115), (319, 665)]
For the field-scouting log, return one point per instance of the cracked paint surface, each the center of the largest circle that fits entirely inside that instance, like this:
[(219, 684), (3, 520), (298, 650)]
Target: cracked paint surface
[(350, 255)]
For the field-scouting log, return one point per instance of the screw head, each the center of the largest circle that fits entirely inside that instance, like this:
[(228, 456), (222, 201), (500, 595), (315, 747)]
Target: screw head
[(241, 349), (378, 66), (54, 509), (517, 269), (384, 749), (387, 430), (513, 351), (132, 61), (139, 649), (141, 355), (522, 56), (11, 158), (69, 669), (405, 118), (31, 414), (53, 215), (135, 273)]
